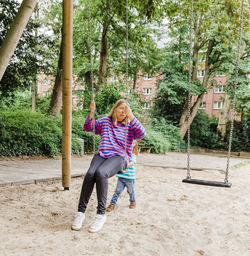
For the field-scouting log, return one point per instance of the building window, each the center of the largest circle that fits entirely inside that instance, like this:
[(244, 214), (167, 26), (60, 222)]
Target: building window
[(46, 81), (219, 89), (147, 91), (218, 105), (46, 94), (130, 77), (202, 105), (147, 77), (114, 79), (146, 105), (200, 73), (130, 91), (220, 74)]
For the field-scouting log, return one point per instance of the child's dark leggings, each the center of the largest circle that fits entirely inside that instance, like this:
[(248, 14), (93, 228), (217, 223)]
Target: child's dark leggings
[(99, 171)]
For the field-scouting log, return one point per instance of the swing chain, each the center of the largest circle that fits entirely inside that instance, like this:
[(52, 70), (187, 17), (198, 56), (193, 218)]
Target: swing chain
[(127, 48), (189, 88), (126, 95), (235, 91)]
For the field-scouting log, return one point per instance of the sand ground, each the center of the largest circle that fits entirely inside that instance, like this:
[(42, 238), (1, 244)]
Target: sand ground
[(171, 218)]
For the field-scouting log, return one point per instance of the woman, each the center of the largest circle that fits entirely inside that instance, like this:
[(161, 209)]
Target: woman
[(117, 131)]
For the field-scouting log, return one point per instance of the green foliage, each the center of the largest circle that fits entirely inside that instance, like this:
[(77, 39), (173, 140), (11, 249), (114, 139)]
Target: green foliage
[(156, 140), (170, 132), (241, 136), (30, 54), (204, 134), (22, 100), (173, 89), (106, 98), (28, 133), (78, 132)]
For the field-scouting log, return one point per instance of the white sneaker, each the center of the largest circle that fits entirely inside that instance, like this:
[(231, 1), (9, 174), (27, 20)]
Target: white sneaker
[(77, 223), (97, 223)]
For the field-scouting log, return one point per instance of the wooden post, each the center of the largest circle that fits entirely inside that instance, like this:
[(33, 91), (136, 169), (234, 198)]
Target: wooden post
[(15, 32), (67, 91)]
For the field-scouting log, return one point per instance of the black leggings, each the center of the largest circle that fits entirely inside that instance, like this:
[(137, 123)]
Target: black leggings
[(99, 171)]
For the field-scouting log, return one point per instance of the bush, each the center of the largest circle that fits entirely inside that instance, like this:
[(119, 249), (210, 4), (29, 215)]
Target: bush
[(170, 132), (29, 133), (22, 100), (157, 141), (241, 136), (78, 132), (203, 132)]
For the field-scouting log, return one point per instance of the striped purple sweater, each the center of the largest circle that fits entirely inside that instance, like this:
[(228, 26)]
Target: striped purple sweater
[(113, 136)]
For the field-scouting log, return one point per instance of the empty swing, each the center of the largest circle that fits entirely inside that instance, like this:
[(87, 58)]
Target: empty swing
[(188, 178)]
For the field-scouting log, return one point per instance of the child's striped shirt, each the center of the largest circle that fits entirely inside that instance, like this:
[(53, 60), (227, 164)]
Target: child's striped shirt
[(129, 173)]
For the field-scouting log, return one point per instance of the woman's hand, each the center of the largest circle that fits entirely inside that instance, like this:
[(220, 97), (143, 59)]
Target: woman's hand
[(92, 107), (92, 110), (129, 113)]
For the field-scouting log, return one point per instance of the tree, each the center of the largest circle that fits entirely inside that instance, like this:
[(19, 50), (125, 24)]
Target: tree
[(29, 55), (213, 41), (13, 36)]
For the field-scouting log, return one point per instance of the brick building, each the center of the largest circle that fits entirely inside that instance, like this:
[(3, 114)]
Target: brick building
[(146, 86), (213, 100)]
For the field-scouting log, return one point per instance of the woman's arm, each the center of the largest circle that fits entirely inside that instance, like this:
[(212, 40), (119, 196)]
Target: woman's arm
[(88, 125), (129, 113), (138, 130)]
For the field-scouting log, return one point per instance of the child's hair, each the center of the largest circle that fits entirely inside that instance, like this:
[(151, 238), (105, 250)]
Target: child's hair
[(135, 148)]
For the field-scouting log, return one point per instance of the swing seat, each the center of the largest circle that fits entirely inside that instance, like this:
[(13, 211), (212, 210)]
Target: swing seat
[(208, 183)]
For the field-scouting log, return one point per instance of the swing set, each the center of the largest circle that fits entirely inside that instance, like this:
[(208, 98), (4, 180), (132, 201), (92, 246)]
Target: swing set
[(188, 178)]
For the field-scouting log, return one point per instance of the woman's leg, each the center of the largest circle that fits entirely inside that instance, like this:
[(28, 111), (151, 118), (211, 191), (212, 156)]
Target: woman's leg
[(119, 188), (88, 182), (107, 169)]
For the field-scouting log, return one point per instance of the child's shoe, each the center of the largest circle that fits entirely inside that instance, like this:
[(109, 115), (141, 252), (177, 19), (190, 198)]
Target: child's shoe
[(110, 208), (132, 205)]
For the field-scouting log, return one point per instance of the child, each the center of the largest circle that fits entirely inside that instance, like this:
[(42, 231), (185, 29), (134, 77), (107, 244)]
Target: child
[(127, 180)]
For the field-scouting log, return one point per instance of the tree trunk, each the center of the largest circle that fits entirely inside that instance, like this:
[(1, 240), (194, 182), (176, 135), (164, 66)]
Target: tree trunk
[(56, 99), (15, 32), (205, 83), (134, 81), (34, 80), (104, 44), (193, 112), (195, 50), (103, 54), (224, 114), (33, 91)]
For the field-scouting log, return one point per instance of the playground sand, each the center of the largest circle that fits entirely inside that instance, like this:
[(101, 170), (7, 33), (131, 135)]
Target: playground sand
[(171, 218)]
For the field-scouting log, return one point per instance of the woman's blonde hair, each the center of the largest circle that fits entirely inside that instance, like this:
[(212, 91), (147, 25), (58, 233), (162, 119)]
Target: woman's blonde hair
[(112, 113)]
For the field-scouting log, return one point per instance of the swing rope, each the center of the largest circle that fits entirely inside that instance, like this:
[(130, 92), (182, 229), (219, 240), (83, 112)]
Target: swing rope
[(91, 71), (188, 177)]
